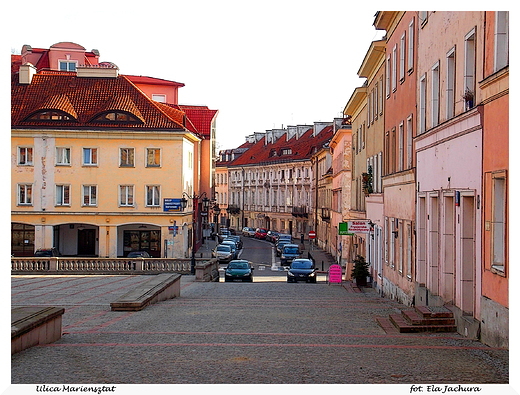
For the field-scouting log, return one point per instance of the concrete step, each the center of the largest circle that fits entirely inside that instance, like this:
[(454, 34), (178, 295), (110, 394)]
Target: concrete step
[(415, 317), (405, 326)]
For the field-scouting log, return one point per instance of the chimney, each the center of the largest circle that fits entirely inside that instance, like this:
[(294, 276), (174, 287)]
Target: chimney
[(26, 73)]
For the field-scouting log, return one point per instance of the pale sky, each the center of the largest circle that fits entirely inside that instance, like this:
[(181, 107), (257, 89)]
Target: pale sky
[(263, 65)]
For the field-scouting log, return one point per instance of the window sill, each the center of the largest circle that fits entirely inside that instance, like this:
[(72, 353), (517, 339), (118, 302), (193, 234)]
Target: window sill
[(499, 270)]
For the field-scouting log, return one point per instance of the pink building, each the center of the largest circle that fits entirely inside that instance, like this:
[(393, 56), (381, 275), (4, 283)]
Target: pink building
[(449, 164), (494, 110), (400, 81)]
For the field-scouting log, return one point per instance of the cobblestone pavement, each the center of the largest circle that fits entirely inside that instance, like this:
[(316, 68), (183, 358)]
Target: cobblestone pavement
[(254, 333)]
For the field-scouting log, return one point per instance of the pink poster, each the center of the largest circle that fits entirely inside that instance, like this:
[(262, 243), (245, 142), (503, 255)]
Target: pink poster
[(335, 274)]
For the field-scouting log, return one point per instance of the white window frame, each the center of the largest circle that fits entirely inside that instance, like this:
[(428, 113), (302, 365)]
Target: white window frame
[(394, 68), (63, 155), (25, 156), (68, 64), (126, 195), (499, 222), (151, 153), (90, 156), (470, 51), (128, 151), (89, 195), (435, 95), (402, 57), (388, 76), (409, 142), (411, 48), (501, 58), (153, 195), (159, 97), (400, 143), (422, 104), (450, 83), (25, 196), (62, 195)]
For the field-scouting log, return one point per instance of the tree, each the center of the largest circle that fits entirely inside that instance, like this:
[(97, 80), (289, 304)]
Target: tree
[(360, 270)]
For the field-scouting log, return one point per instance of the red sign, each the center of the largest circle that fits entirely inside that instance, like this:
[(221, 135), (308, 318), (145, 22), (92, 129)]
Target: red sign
[(335, 274), (312, 234)]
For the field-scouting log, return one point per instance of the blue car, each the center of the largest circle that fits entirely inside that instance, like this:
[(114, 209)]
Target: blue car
[(239, 270), (301, 270)]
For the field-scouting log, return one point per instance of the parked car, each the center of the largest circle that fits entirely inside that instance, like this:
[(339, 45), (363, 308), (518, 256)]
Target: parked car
[(138, 254), (47, 252), (233, 245), (248, 232), (284, 236), (271, 236), (289, 252), (301, 270), (223, 253), (260, 233), (223, 233), (279, 245), (236, 239), (239, 270)]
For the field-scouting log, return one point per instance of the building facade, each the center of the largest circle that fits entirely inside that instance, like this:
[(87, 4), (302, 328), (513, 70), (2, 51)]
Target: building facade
[(95, 162)]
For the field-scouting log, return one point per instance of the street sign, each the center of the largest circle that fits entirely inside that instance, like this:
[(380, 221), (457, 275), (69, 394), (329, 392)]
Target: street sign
[(312, 234), (361, 226), (170, 204), (343, 229)]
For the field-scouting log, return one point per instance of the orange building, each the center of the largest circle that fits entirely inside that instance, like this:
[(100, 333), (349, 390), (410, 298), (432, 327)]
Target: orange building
[(98, 167)]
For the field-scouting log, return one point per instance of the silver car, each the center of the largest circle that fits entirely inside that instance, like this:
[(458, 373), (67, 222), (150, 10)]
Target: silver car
[(223, 253)]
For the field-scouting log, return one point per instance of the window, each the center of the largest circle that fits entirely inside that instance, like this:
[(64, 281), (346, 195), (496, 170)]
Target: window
[(126, 195), (394, 68), (89, 195), (25, 194), (422, 104), (409, 142), (116, 117), (469, 67), (159, 98), (153, 157), (67, 65), (50, 116), (501, 39), (25, 156), (450, 84), (388, 70), (62, 195), (62, 156), (435, 95), (411, 35), (126, 156), (402, 57), (287, 151), (498, 229), (153, 195), (423, 17), (401, 147), (90, 157)]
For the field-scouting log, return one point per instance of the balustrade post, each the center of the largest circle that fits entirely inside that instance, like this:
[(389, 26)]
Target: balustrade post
[(53, 264), (139, 264)]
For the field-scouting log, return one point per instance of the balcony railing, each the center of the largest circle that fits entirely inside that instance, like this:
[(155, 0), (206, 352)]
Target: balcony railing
[(300, 211)]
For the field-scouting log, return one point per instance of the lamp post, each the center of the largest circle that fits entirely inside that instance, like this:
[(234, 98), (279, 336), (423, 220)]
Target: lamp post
[(195, 199), (216, 212)]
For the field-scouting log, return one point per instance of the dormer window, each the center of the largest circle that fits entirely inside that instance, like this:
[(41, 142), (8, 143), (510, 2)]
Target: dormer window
[(50, 115), (286, 151), (116, 116), (67, 65)]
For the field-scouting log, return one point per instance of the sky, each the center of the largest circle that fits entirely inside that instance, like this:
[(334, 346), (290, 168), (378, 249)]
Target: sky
[(263, 65)]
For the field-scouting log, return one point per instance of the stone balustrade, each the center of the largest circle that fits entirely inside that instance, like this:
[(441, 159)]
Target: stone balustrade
[(205, 268)]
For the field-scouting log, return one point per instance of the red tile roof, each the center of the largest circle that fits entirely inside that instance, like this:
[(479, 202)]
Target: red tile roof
[(139, 79), (301, 148), (86, 98)]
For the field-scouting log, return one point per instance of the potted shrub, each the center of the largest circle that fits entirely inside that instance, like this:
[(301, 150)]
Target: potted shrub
[(468, 99), (360, 271)]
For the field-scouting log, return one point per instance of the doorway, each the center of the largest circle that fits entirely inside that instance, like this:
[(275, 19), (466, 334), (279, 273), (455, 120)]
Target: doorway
[(86, 242)]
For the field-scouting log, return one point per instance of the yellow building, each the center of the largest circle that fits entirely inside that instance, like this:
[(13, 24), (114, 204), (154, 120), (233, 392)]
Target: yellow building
[(99, 168)]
